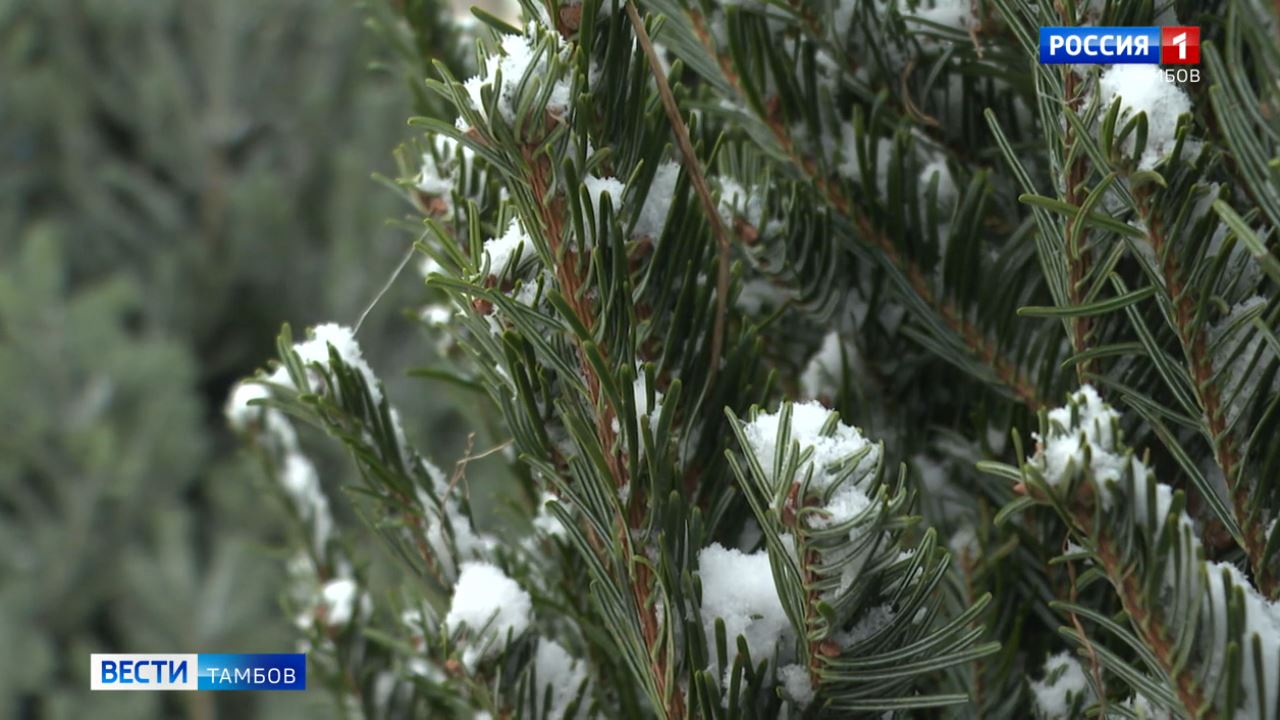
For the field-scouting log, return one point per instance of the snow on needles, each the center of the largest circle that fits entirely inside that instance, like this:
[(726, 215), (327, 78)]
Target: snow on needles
[(1142, 88), (657, 203), (1087, 422), (490, 603), (1084, 424), (502, 251), (562, 673), (1261, 626), (738, 588), (519, 56), (1064, 682), (797, 684), (830, 451), (440, 169), (652, 216), (1088, 426), (315, 349)]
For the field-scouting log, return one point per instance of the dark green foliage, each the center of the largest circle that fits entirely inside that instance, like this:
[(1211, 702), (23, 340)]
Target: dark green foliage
[(176, 179), (926, 231)]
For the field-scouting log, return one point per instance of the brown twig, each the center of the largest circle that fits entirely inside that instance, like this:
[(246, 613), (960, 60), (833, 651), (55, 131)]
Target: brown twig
[(551, 211), (699, 180), (1150, 626), (1195, 349), (1076, 239)]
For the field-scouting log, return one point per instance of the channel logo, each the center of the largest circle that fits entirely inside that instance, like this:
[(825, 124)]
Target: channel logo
[(1178, 45), (205, 671)]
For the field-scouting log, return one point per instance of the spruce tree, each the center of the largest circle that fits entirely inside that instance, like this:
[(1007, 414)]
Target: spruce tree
[(852, 363)]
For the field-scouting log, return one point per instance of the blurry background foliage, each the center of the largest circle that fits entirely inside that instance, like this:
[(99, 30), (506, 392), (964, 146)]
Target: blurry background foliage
[(177, 178)]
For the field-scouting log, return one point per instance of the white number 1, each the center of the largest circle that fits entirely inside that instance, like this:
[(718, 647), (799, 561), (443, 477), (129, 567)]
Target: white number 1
[(1181, 41)]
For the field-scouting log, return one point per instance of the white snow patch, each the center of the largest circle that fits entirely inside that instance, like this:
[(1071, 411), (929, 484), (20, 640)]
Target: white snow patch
[(823, 374), (657, 204), (948, 193), (301, 483), (490, 603), (1064, 681), (830, 453), (316, 350), (1086, 422), (737, 201), (561, 672), (796, 684), (851, 164), (517, 56), (544, 521), (244, 417), (598, 188), (1261, 625), (1142, 88), (739, 588), (502, 251), (872, 622), (337, 602)]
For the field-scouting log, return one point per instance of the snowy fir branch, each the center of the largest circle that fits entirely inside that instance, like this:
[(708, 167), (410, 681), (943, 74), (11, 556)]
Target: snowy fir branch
[(686, 258), (1200, 637)]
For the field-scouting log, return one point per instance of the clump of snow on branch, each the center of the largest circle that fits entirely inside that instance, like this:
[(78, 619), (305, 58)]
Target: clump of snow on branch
[(501, 252), (796, 684), (1089, 420), (829, 461), (489, 603), (1142, 88), (1261, 626), (244, 415), (562, 673), (545, 521), (737, 202), (1087, 426), (518, 57), (331, 602), (657, 203), (294, 470), (1084, 425), (315, 349), (1064, 685), (441, 168), (598, 187), (738, 588), (339, 599)]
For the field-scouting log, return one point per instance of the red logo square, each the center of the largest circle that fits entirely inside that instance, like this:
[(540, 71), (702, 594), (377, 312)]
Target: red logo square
[(1180, 45)]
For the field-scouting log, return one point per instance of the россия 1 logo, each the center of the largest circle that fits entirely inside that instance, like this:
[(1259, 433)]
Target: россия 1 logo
[(1120, 45)]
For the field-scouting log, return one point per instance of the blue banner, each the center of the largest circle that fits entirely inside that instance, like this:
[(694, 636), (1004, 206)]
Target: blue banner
[(253, 671), (1099, 45)]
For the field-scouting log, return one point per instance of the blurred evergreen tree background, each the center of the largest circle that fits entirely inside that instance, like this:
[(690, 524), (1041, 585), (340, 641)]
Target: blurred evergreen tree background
[(177, 178)]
